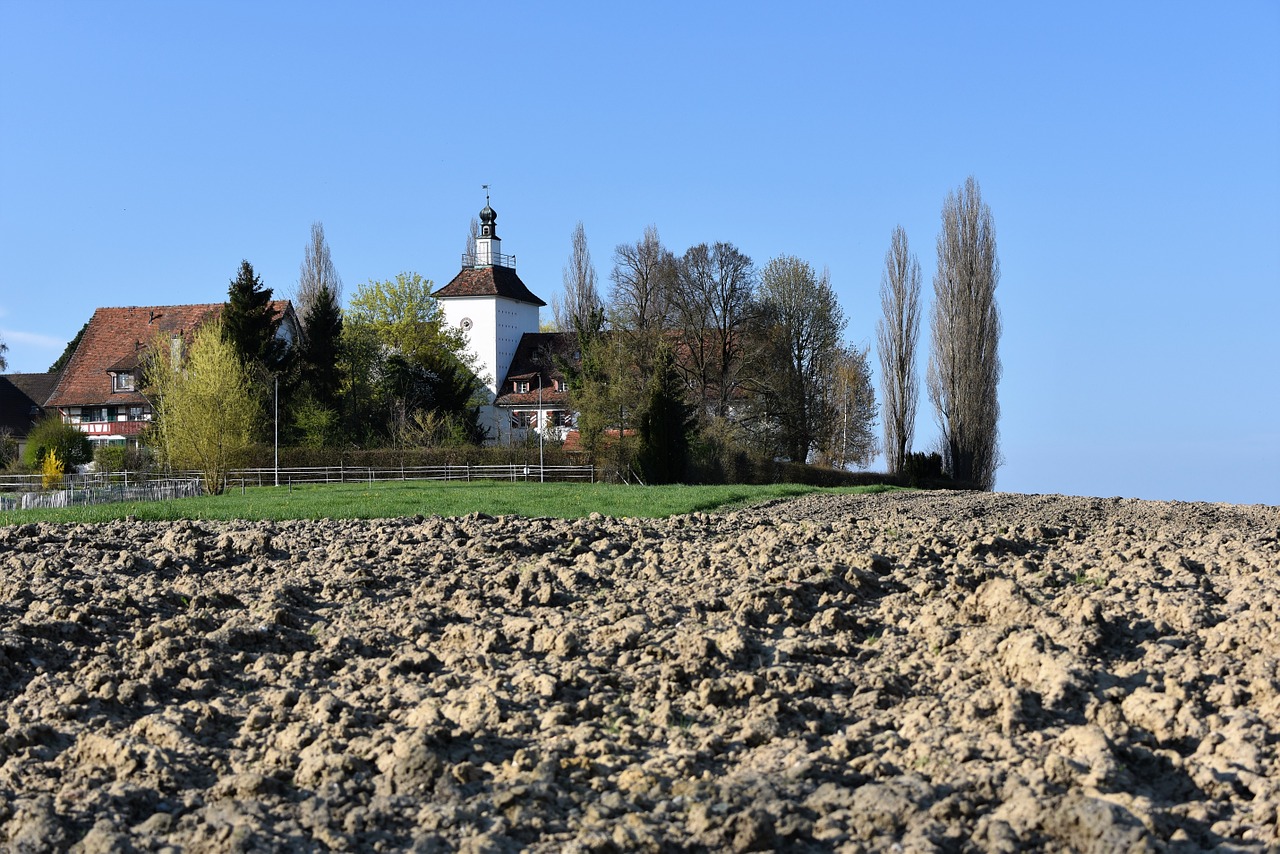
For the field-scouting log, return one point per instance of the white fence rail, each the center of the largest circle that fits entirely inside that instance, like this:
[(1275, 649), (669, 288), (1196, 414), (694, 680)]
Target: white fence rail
[(372, 474), (24, 492), (156, 490)]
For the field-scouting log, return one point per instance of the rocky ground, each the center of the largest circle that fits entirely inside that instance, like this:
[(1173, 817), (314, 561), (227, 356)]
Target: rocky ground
[(905, 672)]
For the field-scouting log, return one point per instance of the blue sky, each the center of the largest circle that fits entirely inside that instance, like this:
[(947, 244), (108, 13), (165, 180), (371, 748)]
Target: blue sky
[(1130, 154)]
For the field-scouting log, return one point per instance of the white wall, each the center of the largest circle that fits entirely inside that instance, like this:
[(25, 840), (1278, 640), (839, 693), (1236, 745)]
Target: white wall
[(497, 324)]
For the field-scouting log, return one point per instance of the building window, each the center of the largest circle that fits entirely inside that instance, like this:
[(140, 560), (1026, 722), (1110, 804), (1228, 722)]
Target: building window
[(135, 413), (522, 386), (522, 420), (122, 381), (558, 418)]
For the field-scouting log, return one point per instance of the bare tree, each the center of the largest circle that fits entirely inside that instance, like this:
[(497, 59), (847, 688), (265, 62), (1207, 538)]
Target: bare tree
[(896, 334), (713, 302), (472, 233), (580, 301), (849, 437), (801, 324), (964, 363), (4, 363), (316, 274), (643, 274)]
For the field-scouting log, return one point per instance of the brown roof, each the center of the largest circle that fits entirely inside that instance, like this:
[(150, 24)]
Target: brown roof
[(113, 338), (22, 398), (537, 355), (489, 282)]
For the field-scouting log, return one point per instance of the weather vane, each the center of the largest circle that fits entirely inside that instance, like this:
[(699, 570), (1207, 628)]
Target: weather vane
[(486, 193)]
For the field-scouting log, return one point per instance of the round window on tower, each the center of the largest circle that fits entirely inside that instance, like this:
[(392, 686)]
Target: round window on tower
[(466, 324)]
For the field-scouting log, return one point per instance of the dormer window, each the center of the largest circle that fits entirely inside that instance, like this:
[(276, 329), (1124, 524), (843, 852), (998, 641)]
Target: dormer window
[(122, 381), (522, 386)]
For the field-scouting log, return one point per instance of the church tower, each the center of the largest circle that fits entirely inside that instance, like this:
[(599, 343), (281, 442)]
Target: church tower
[(489, 303)]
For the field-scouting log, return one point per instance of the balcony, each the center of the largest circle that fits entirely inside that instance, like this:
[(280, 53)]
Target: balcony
[(497, 259)]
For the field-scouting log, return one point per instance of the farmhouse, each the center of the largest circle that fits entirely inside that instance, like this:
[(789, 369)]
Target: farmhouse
[(100, 391)]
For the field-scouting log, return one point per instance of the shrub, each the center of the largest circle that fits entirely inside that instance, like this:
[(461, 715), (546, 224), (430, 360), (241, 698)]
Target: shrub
[(8, 448), (51, 470), (117, 458), (920, 468), (50, 434)]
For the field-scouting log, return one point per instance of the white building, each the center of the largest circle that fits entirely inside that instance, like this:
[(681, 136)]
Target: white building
[(493, 307)]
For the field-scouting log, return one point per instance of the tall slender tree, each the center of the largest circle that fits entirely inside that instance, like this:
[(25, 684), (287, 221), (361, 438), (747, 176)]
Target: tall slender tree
[(473, 232), (580, 300), (4, 348), (964, 362), (317, 276), (896, 334)]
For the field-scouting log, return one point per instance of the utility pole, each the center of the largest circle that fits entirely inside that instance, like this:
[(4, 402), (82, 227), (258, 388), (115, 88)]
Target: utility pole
[(277, 430), (542, 473)]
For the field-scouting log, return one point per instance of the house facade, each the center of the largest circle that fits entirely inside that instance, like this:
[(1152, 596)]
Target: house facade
[(100, 391)]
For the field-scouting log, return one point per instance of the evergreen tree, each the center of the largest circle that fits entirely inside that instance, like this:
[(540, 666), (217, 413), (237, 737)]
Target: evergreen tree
[(666, 423), (320, 350), (66, 353), (249, 323)]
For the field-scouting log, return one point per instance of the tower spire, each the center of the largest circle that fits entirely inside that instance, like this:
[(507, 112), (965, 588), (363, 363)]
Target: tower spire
[(488, 246)]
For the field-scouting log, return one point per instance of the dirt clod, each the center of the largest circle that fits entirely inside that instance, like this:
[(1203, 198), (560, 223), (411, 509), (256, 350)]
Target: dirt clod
[(913, 672)]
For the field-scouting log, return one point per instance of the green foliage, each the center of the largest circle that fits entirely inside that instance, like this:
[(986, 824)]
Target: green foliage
[(110, 458), (205, 406), (50, 434), (400, 360), (321, 348), (68, 351), (315, 423), (405, 318), (665, 424)]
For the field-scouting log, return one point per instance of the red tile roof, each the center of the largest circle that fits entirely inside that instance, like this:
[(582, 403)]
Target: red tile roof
[(538, 354), (114, 341), (488, 282)]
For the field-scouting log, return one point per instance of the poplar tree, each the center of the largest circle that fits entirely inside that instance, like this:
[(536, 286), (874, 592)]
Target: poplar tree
[(896, 335), (964, 362)]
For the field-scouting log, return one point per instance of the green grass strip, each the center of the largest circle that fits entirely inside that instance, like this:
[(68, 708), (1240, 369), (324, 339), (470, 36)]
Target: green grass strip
[(408, 498)]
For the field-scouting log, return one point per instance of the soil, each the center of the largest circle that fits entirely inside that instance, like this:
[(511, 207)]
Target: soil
[(902, 672)]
